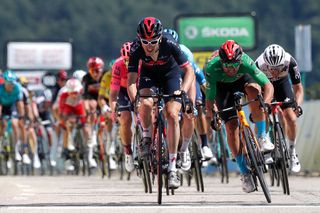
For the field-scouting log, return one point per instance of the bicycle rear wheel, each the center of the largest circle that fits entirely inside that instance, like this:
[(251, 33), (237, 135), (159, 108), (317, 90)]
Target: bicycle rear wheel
[(256, 161), (281, 161)]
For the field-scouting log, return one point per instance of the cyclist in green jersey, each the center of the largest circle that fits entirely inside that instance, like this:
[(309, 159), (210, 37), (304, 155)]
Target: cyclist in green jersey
[(230, 71)]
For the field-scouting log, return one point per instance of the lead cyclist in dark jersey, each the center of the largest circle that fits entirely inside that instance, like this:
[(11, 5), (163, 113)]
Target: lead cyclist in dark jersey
[(278, 65), (228, 72), (161, 60)]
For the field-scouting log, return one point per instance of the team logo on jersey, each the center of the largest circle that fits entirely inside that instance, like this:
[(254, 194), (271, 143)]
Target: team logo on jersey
[(208, 85)]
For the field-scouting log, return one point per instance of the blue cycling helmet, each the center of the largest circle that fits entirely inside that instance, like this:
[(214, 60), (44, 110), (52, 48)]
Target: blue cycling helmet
[(9, 76), (173, 33)]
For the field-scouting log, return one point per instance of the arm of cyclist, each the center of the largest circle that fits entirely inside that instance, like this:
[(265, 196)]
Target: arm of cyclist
[(260, 78), (132, 87), (298, 91)]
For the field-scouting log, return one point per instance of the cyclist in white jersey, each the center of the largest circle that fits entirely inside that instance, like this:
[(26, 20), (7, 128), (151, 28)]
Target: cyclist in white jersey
[(278, 65)]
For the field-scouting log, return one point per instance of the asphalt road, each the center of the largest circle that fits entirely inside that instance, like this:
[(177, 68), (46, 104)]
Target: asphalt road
[(93, 194)]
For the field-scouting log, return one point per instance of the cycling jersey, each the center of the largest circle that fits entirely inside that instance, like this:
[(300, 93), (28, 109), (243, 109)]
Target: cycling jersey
[(169, 59), (42, 97), (290, 68), (215, 73), (105, 82), (25, 96), (197, 71), (72, 107), (165, 72), (10, 98), (91, 87), (119, 74), (54, 92)]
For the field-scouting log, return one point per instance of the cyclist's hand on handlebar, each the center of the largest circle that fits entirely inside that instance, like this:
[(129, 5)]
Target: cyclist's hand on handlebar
[(187, 105), (298, 110), (216, 121)]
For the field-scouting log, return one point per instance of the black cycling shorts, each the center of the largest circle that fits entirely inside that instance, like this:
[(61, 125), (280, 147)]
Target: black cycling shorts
[(169, 84), (283, 91), (123, 99), (225, 91)]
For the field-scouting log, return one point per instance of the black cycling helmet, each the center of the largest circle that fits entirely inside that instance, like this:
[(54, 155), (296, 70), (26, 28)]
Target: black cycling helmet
[(149, 28)]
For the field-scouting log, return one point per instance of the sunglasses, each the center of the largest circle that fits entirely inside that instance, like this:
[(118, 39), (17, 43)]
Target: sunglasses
[(73, 93), (95, 71), (152, 42), (279, 67), (9, 83), (231, 65)]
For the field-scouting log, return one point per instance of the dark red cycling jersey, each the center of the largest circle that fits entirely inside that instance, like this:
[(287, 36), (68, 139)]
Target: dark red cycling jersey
[(169, 59)]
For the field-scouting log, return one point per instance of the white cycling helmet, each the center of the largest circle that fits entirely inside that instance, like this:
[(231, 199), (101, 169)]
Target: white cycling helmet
[(79, 74), (74, 85), (274, 55)]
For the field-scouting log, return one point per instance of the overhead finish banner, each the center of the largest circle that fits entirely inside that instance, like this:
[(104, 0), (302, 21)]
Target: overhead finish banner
[(206, 32)]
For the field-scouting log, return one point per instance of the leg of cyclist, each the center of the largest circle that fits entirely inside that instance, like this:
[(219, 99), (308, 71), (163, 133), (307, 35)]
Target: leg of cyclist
[(284, 91), (187, 131), (290, 119), (201, 125), (17, 125), (145, 111), (225, 99), (91, 140), (252, 90), (125, 125)]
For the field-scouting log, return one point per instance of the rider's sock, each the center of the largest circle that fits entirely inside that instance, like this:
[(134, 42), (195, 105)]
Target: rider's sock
[(147, 132), (292, 143), (25, 146), (242, 164), (172, 162), (261, 127), (127, 149), (204, 140), (18, 145), (185, 144)]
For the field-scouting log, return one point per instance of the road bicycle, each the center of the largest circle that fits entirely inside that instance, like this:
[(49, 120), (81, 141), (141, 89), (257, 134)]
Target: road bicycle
[(249, 145)]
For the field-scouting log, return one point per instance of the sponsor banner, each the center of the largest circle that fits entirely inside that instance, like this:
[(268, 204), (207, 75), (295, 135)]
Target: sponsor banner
[(203, 33)]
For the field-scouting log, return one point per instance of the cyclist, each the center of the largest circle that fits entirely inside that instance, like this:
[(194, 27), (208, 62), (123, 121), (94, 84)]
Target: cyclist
[(41, 109), (91, 82), (103, 101), (200, 85), (118, 93), (28, 105), (230, 71), (11, 104), (71, 105), (277, 64), (160, 61), (61, 77)]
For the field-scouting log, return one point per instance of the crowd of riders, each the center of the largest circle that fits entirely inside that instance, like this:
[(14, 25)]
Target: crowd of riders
[(153, 60)]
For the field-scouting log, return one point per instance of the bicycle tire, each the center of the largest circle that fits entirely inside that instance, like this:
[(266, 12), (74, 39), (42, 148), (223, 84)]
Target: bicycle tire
[(223, 155), (136, 140), (256, 163), (197, 163), (159, 161), (282, 160)]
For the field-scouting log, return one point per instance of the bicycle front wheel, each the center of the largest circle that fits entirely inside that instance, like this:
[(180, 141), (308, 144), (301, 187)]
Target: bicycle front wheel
[(159, 161), (282, 162), (256, 161)]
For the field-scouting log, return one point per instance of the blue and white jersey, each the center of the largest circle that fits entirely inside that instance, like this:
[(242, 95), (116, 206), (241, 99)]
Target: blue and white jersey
[(10, 98), (197, 71)]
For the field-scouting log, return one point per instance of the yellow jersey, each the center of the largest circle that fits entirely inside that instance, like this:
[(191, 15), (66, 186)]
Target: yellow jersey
[(105, 84)]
